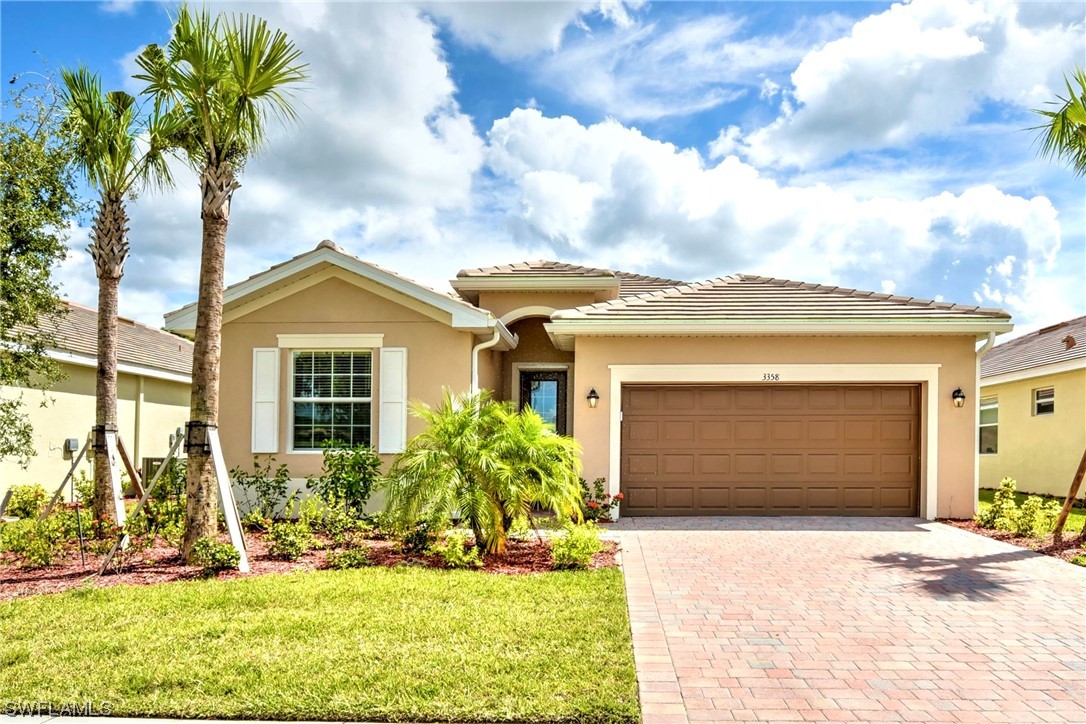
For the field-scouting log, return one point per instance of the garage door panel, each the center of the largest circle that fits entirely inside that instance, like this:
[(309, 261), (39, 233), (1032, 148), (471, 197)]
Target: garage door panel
[(788, 450)]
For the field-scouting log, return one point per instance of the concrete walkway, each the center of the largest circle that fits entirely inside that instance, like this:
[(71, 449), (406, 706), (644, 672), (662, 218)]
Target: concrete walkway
[(838, 619)]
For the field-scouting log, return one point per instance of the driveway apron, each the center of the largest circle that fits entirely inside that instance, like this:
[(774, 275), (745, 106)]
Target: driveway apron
[(849, 619)]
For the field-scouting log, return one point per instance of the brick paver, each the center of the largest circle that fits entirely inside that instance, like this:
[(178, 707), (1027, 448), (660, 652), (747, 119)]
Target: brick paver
[(848, 619)]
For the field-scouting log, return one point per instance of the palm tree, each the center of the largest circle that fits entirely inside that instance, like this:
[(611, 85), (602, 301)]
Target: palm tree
[(1063, 135), (486, 464), (222, 79), (117, 151)]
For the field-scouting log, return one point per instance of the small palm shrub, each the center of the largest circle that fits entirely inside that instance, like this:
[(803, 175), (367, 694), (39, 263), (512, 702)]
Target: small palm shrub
[(457, 552), (289, 540), (486, 464), (213, 556), (576, 547), (26, 501)]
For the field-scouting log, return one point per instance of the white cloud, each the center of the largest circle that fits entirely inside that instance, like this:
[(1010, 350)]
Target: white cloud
[(652, 71), (888, 286), (918, 69), (515, 29), (606, 194), (118, 6)]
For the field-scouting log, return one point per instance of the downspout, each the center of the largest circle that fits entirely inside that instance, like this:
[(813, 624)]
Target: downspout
[(983, 350), (475, 358)]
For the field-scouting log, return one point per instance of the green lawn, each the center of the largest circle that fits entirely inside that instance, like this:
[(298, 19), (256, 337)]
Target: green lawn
[(1075, 520), (379, 644)]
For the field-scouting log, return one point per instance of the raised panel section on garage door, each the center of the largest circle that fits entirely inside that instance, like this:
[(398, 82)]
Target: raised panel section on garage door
[(770, 450)]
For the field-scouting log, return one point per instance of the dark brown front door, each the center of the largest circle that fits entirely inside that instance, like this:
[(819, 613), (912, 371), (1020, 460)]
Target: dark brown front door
[(545, 392), (780, 450)]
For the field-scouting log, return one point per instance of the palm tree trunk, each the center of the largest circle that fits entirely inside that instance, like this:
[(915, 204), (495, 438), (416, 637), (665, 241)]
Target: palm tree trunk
[(201, 509), (109, 251)]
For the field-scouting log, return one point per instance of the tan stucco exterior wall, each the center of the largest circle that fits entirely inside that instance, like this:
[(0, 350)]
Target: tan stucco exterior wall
[(501, 303), (162, 407), (956, 426), (534, 347), (437, 356), (1041, 452)]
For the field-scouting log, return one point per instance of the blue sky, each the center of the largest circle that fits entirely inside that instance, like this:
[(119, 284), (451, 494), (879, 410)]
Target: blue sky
[(872, 145)]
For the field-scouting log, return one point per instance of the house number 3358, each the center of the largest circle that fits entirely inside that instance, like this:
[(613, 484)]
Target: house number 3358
[(771, 377)]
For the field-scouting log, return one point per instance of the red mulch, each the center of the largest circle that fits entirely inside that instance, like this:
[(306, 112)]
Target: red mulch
[(162, 564), (1073, 544)]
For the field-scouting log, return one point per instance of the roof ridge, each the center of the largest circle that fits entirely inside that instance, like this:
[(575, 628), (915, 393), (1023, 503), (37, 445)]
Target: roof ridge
[(1037, 333)]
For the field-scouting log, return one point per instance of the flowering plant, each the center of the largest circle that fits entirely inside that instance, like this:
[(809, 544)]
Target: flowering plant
[(598, 504)]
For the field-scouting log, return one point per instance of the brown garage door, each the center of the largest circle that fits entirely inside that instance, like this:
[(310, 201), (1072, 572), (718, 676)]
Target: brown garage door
[(779, 450)]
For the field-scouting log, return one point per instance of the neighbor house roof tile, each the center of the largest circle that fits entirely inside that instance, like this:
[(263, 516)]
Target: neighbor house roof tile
[(746, 296), (1061, 342), (137, 344)]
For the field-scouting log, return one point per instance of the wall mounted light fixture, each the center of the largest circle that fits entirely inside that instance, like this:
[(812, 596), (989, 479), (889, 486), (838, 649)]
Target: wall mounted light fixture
[(593, 398), (959, 397)]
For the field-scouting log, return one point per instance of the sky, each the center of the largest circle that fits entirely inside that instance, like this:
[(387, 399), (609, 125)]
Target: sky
[(868, 145)]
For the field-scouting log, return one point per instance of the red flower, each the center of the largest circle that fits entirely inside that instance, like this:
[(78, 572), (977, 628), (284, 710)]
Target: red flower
[(593, 504), (619, 496)]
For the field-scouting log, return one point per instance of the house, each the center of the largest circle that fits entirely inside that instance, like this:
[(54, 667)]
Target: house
[(739, 395), (153, 385), (1033, 409)]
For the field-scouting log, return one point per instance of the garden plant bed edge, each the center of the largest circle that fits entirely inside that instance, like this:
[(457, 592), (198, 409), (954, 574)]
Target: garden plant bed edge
[(162, 563), (1071, 546)]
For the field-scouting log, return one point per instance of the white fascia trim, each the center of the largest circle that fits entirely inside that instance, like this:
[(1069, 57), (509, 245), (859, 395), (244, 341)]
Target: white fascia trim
[(1042, 371), (86, 360), (535, 283), (330, 341), (562, 330), (463, 314), (927, 374)]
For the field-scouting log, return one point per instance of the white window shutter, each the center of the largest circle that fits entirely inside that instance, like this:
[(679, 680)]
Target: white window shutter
[(392, 437), (265, 400)]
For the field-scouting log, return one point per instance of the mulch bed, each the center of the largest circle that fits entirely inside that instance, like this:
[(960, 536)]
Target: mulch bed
[(1072, 545), (162, 564)]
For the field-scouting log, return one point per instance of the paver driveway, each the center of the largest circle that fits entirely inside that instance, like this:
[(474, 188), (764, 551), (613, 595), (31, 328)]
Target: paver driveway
[(845, 619)]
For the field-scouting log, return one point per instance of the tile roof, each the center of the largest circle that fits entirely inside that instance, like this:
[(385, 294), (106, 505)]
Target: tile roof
[(1043, 347), (629, 284), (746, 296), (137, 344)]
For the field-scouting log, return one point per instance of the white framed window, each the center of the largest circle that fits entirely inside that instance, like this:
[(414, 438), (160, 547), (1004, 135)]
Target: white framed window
[(331, 399), (1044, 401), (989, 426)]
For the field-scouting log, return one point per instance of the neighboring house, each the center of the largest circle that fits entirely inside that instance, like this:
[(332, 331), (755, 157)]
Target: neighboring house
[(153, 387), (740, 395), (1033, 409)]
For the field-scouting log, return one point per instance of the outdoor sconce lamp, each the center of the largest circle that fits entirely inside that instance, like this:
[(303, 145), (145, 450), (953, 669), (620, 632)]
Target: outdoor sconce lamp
[(593, 398), (959, 397)]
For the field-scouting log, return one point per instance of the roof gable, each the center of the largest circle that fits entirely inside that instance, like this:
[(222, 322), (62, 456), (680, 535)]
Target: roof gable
[(1064, 342), (559, 274), (463, 315)]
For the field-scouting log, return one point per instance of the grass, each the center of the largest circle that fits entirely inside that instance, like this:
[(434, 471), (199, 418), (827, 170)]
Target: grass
[(1075, 520), (396, 644)]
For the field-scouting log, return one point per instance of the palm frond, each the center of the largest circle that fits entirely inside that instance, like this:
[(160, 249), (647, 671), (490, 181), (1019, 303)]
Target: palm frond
[(1063, 136)]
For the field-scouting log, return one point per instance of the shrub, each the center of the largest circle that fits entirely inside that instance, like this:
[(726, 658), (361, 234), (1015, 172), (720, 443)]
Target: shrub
[(576, 547), (350, 558), (264, 490), (1079, 560), (347, 478), (213, 556), (456, 551), (26, 501), (1033, 517), (597, 503), (419, 538), (255, 520), (84, 488), (38, 543), (485, 463), (289, 540)]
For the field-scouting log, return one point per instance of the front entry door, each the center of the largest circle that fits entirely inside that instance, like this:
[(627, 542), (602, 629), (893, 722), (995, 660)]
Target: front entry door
[(545, 392)]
